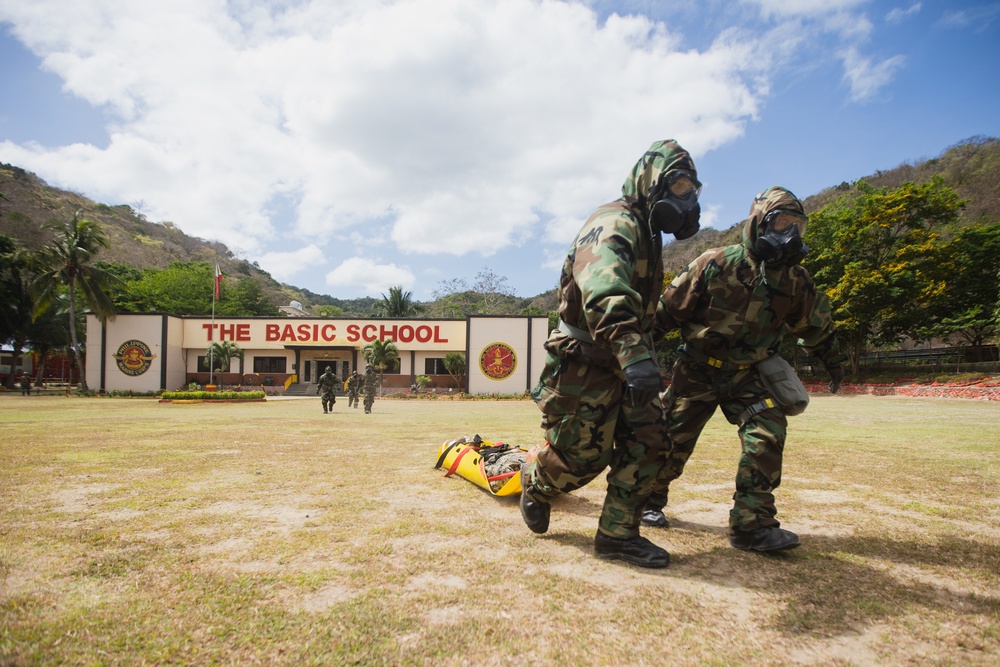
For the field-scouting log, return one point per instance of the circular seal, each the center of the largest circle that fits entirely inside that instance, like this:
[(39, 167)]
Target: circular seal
[(134, 357), (498, 361)]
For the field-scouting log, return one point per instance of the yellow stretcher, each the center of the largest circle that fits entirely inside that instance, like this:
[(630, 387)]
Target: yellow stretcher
[(462, 458)]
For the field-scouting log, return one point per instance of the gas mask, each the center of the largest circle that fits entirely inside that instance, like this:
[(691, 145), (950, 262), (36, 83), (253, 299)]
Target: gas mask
[(781, 241), (677, 211)]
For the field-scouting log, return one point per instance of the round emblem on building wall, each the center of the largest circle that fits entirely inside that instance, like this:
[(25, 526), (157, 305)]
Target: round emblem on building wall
[(134, 357), (498, 361)]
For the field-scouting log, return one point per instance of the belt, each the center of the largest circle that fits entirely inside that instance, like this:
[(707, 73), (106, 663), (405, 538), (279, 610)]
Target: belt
[(703, 358), (576, 332)]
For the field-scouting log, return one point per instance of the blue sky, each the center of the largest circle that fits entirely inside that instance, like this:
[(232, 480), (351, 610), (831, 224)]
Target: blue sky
[(347, 147)]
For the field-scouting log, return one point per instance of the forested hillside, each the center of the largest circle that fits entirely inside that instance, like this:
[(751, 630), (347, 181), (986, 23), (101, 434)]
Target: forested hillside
[(971, 168)]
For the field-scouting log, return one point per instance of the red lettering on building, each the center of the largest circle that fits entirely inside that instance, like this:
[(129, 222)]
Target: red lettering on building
[(384, 333), (353, 333), (329, 332), (437, 335), (227, 331), (423, 333), (304, 332), (368, 332), (243, 332), (208, 328), (406, 334), (287, 333), (272, 332)]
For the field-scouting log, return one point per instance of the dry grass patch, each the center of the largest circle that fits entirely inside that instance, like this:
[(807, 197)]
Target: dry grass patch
[(136, 532)]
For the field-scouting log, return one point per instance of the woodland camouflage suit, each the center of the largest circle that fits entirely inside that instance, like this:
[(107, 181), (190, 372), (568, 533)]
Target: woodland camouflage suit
[(326, 389), (369, 382), (733, 311), (353, 389), (609, 290)]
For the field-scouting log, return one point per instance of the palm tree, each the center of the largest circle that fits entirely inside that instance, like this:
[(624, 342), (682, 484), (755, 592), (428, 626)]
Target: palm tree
[(48, 333), (16, 305), (222, 355), (381, 355), (397, 304), (69, 262)]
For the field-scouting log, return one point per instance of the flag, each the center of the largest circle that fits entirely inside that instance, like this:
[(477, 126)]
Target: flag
[(218, 281)]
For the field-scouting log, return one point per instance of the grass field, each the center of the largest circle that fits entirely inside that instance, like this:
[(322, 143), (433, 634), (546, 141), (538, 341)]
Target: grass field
[(134, 532)]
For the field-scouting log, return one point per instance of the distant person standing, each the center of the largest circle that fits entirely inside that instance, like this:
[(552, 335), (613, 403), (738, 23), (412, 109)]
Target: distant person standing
[(326, 389), (370, 381), (25, 385), (353, 389)]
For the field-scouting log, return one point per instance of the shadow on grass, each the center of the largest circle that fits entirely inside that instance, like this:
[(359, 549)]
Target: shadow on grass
[(834, 585)]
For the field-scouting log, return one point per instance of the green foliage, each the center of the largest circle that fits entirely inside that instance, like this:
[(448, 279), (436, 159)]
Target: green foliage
[(877, 256), (381, 355), (68, 263), (454, 363), (222, 354), (213, 395), (328, 311), (397, 304), (187, 288), (423, 382)]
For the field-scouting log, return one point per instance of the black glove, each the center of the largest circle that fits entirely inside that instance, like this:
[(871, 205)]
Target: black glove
[(644, 381), (836, 377)]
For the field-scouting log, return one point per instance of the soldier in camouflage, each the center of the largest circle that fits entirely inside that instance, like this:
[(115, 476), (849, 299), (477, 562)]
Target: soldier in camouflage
[(326, 388), (370, 379), (599, 390), (733, 305), (353, 389)]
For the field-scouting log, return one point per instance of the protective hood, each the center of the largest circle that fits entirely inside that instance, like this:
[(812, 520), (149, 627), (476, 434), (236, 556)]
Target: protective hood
[(769, 200), (647, 181)]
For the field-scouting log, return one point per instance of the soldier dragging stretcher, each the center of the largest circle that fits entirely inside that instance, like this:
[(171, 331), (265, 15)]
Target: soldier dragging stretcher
[(599, 390), (733, 305)]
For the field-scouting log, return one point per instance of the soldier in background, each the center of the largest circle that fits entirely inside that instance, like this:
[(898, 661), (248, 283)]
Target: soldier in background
[(353, 389), (370, 381), (733, 306), (327, 389), (599, 390)]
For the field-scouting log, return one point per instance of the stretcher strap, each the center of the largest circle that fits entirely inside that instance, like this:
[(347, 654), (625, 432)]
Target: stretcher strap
[(444, 455), (458, 459)]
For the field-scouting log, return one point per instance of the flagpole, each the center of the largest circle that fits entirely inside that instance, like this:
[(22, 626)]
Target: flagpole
[(211, 347)]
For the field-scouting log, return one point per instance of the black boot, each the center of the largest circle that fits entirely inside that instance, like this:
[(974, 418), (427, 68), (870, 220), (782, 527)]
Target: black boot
[(768, 538), (655, 518), (636, 550), (534, 510)]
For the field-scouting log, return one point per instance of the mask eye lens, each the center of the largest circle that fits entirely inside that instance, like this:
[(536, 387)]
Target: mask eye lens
[(783, 221), (683, 184)]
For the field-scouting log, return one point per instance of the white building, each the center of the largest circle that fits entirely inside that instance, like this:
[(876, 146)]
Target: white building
[(148, 352)]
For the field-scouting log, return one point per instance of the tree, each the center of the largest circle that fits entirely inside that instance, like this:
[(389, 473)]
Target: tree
[(68, 262), (220, 356), (16, 302), (49, 332), (328, 311), (490, 294), (969, 273), (454, 363), (381, 355), (876, 256), (185, 288), (498, 297), (397, 304)]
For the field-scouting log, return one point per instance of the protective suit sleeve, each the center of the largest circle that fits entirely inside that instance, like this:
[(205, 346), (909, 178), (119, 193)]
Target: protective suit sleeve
[(604, 269)]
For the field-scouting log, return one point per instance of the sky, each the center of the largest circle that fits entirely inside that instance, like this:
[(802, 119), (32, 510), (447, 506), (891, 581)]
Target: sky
[(351, 146)]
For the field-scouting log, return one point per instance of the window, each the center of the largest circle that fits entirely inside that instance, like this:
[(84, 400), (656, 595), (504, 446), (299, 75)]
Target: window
[(434, 367), (269, 364)]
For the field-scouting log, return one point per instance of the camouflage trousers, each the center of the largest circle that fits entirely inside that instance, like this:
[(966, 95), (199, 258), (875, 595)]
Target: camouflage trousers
[(328, 400), (590, 425), (352, 398), (369, 401), (694, 393)]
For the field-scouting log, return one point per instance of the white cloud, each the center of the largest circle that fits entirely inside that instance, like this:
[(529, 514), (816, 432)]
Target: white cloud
[(464, 127), (980, 17), (809, 8), (898, 15), (375, 278), (865, 77), (283, 265)]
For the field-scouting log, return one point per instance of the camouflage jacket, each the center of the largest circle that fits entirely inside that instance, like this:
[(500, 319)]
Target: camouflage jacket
[(326, 384), (730, 306), (613, 273)]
